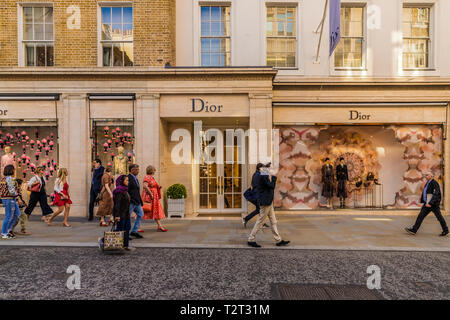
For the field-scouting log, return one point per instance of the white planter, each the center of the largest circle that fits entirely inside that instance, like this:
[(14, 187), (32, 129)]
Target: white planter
[(175, 207)]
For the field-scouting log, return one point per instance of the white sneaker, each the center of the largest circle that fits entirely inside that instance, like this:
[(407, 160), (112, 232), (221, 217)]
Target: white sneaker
[(6, 236)]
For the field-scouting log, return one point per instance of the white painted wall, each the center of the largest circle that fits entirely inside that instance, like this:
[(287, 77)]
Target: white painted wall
[(383, 36)]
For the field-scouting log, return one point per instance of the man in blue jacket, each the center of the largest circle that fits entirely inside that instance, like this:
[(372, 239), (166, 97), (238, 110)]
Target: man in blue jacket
[(431, 199), (265, 185), (96, 186)]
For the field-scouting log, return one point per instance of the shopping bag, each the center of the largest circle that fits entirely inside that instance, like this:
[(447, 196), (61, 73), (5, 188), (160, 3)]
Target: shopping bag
[(113, 240)]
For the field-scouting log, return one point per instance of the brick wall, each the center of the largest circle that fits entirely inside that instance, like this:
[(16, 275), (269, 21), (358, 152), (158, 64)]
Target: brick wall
[(153, 23)]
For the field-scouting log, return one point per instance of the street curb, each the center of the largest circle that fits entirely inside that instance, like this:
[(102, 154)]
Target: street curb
[(13, 243)]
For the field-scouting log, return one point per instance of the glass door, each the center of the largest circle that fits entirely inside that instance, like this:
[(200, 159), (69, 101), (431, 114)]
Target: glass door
[(221, 185)]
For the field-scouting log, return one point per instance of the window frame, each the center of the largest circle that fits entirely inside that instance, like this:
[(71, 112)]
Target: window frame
[(100, 41), (431, 49), (363, 67), (22, 43), (230, 37), (297, 24)]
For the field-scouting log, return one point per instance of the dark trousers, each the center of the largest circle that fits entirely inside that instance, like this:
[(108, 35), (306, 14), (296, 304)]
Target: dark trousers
[(40, 197), (253, 213), (424, 212), (125, 225), (92, 196)]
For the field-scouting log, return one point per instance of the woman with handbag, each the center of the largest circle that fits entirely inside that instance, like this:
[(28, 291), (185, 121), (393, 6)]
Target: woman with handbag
[(37, 187), (62, 198), (151, 194), (105, 207), (9, 194), (121, 209)]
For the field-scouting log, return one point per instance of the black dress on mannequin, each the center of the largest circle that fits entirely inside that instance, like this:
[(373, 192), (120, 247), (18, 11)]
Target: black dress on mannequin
[(342, 178), (327, 180)]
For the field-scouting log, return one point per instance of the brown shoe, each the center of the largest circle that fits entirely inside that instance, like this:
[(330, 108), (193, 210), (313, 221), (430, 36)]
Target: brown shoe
[(23, 233)]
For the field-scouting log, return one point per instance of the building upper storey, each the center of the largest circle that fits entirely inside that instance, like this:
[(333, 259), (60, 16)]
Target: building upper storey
[(379, 38), (87, 33)]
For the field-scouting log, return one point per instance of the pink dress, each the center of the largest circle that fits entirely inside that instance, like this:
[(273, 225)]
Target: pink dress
[(152, 207)]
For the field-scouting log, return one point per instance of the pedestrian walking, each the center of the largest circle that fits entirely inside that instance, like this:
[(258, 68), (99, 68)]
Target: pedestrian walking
[(151, 194), (38, 194), (62, 197), (252, 196), (135, 199), (121, 209), (96, 186), (431, 199), (265, 185), (9, 194), (23, 218), (106, 204)]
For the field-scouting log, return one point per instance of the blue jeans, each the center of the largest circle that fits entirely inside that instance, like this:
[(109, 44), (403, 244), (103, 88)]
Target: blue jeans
[(139, 215), (12, 213)]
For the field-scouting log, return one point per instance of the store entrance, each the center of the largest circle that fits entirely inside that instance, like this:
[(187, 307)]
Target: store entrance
[(221, 184)]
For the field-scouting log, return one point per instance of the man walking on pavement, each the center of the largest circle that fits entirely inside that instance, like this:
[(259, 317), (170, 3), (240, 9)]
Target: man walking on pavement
[(135, 199), (265, 186), (431, 198), (96, 186), (254, 199)]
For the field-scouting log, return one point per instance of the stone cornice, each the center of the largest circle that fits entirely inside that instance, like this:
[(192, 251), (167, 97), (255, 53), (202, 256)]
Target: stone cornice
[(285, 81)]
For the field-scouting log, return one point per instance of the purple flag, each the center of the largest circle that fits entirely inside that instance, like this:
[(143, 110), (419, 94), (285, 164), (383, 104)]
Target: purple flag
[(335, 24)]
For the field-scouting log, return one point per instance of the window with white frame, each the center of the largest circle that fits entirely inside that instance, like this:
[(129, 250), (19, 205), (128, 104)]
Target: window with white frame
[(38, 37), (416, 37), (281, 36), (215, 38), (349, 53), (117, 36)]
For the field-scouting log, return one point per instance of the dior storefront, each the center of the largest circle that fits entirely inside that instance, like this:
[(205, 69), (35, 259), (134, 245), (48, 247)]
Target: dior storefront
[(387, 148)]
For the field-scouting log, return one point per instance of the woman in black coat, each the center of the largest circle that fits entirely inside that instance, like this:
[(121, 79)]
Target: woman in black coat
[(121, 210)]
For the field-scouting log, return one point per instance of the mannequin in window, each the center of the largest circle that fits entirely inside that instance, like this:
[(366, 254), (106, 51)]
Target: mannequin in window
[(327, 180), (121, 162), (8, 159), (342, 178)]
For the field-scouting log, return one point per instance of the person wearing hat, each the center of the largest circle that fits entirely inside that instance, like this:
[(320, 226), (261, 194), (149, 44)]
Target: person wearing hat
[(431, 199)]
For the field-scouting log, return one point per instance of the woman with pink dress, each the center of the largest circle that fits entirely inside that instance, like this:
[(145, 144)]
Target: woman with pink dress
[(151, 195), (62, 198)]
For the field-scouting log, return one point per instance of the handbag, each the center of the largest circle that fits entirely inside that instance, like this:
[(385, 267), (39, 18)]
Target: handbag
[(36, 188), (113, 240), (250, 195)]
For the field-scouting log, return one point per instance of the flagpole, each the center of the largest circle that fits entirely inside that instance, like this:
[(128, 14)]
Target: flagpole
[(321, 30)]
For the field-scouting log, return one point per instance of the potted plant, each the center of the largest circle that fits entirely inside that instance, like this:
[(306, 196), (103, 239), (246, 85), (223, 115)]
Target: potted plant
[(176, 195)]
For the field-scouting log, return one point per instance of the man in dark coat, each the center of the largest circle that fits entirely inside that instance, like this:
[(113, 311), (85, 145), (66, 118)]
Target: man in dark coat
[(96, 186), (431, 198), (254, 201), (265, 185), (135, 199)]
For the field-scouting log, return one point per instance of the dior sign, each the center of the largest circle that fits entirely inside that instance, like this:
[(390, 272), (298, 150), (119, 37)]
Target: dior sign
[(199, 105), (3, 112), (356, 115)]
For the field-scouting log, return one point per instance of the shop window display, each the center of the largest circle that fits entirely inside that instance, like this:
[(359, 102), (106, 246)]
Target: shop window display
[(27, 147), (393, 157), (114, 145)]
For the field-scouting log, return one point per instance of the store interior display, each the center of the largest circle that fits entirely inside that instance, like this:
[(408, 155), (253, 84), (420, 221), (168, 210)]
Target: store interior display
[(385, 163), (113, 145), (27, 148)]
